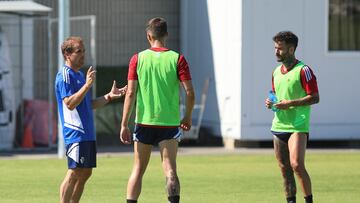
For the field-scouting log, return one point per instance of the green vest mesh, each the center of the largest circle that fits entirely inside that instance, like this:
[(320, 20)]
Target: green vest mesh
[(288, 86), (158, 89)]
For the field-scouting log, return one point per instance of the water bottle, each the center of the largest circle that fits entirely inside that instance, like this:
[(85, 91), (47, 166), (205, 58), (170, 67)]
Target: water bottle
[(274, 100)]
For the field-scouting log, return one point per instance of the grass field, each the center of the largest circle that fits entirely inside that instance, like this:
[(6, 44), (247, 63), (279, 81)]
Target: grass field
[(235, 178)]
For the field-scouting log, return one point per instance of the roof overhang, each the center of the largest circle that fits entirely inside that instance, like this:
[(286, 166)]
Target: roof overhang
[(23, 7)]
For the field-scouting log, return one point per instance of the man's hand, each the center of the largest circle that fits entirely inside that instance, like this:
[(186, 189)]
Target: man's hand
[(90, 76), (115, 92), (283, 104), (185, 124), (268, 103), (125, 135)]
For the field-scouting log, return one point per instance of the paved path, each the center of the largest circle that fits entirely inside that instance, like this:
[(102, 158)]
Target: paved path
[(183, 151)]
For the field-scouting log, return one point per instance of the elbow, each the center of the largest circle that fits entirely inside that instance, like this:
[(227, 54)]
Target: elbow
[(190, 94), (313, 98), (70, 107), (130, 93), (68, 103), (317, 100)]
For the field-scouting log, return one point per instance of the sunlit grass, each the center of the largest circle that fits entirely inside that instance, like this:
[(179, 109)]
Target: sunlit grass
[(247, 178)]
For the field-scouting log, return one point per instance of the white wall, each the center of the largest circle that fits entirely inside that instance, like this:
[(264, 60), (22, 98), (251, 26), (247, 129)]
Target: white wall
[(262, 20), (241, 55), (23, 76), (28, 59), (337, 116), (211, 42)]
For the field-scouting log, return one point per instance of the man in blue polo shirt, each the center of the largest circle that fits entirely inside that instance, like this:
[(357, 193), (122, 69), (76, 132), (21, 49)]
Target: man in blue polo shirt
[(75, 106)]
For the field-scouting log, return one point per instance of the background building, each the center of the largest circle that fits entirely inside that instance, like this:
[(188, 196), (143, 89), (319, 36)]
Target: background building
[(228, 41), (233, 45), (120, 33)]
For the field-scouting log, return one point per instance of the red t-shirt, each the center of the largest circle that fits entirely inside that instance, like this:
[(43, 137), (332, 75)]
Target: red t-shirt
[(308, 79), (182, 66)]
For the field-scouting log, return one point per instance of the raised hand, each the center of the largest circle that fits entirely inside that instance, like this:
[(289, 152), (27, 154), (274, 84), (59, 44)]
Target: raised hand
[(116, 92), (90, 76)]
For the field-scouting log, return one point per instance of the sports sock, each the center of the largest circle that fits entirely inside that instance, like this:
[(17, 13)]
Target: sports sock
[(291, 199), (131, 201), (308, 199), (174, 199)]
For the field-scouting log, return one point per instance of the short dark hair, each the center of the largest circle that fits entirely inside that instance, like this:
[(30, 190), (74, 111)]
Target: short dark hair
[(157, 27), (67, 47), (288, 37)]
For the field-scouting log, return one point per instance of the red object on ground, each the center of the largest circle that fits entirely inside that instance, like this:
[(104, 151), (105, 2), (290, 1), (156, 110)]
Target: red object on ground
[(36, 124)]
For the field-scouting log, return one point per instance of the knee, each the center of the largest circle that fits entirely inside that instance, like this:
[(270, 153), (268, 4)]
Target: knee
[(82, 175), (138, 171), (284, 167), (297, 167)]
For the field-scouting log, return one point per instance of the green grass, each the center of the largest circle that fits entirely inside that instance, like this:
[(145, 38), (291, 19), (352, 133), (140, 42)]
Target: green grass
[(246, 178)]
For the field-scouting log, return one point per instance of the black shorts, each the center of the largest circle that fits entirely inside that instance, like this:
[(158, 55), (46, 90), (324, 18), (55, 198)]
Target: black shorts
[(285, 136), (81, 154), (152, 136)]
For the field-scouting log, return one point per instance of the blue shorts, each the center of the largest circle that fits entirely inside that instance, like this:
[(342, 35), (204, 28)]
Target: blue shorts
[(152, 136), (285, 136), (81, 154)]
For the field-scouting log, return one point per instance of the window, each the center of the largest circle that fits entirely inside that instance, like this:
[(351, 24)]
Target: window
[(344, 25)]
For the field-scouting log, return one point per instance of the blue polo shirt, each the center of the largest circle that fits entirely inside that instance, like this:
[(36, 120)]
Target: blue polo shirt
[(77, 124)]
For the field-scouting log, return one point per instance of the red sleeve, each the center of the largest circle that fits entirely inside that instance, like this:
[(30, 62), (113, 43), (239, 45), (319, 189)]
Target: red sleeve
[(132, 74), (308, 80), (183, 69), (272, 83)]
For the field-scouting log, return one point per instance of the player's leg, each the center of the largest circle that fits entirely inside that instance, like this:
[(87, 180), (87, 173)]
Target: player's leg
[(297, 147), (168, 150), (142, 154), (73, 185), (81, 175), (81, 159), (67, 187), (282, 155)]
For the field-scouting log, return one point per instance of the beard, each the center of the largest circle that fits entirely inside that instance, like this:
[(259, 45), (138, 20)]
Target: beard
[(279, 58)]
